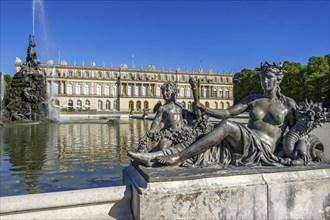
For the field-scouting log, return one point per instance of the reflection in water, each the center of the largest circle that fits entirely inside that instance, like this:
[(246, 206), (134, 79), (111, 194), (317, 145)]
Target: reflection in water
[(57, 157)]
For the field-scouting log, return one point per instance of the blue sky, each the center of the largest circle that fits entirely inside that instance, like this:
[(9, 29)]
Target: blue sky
[(218, 35)]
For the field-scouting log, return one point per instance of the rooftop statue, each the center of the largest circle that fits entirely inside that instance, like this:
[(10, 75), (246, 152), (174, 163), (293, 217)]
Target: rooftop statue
[(277, 132)]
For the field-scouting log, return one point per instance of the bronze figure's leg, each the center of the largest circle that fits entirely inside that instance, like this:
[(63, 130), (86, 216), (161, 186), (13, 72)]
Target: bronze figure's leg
[(225, 130), (148, 159)]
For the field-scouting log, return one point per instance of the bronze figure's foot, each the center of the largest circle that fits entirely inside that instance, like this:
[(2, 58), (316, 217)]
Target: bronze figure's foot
[(169, 160), (143, 158)]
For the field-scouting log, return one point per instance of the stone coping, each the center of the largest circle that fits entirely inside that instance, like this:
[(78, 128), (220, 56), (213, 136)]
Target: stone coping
[(43, 201), (161, 174)]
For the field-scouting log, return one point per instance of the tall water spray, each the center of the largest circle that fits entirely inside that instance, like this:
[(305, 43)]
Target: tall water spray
[(2, 94), (38, 12)]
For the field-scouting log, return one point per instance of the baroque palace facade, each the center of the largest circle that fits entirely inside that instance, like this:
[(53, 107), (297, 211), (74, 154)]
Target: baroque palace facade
[(108, 89)]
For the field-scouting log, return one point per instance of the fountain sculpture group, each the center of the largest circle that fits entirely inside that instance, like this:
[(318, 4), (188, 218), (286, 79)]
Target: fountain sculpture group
[(271, 168), (277, 134), (27, 98)]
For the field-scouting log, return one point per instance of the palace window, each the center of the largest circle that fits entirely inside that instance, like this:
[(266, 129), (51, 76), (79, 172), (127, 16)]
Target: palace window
[(78, 74), (87, 74), (189, 92), (70, 103), (78, 89), (129, 90), (158, 91), (99, 90), (220, 93), (107, 105), (182, 78), (114, 90), (137, 90), (108, 75), (87, 104), (182, 92), (183, 104), (55, 88), (99, 105), (227, 93), (99, 74), (69, 89), (86, 89), (70, 73), (79, 104), (144, 90), (107, 90), (228, 105), (221, 105)]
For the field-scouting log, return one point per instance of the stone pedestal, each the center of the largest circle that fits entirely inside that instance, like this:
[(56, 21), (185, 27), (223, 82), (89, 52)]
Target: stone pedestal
[(233, 193)]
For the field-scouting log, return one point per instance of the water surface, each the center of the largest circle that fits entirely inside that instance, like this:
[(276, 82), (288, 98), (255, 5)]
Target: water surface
[(56, 157)]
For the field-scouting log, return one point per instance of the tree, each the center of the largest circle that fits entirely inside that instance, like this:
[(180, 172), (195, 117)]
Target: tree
[(300, 82), (246, 82)]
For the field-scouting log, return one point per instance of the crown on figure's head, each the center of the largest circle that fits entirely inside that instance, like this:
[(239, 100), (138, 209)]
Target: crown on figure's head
[(273, 67)]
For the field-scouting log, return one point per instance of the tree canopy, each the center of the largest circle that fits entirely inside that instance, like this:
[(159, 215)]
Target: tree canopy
[(300, 82)]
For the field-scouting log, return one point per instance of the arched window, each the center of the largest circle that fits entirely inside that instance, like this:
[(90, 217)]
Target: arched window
[(131, 105), (107, 90), (189, 106), (115, 104), (69, 89), (183, 104), (207, 104), (70, 103), (87, 104), (138, 106), (221, 105), (146, 105), (78, 89), (99, 105), (86, 89), (107, 105), (57, 102), (216, 105), (99, 90), (228, 105), (79, 104)]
